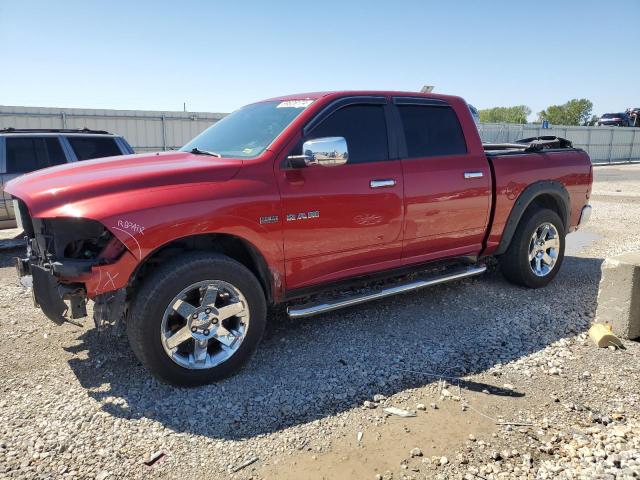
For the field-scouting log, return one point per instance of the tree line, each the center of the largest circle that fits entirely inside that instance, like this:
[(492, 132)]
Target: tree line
[(574, 112)]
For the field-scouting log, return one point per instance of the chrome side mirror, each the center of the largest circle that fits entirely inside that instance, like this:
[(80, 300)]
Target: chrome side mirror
[(326, 152)]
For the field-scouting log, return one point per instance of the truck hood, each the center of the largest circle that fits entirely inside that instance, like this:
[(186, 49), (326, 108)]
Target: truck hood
[(54, 191)]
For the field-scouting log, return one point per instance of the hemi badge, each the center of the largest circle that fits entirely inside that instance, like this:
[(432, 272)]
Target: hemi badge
[(271, 219)]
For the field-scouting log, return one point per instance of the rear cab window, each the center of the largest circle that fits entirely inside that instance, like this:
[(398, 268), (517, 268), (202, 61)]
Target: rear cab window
[(87, 147), (26, 154), (431, 131)]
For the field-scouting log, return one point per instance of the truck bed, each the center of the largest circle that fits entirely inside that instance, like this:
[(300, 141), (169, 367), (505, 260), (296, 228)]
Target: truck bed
[(532, 144), (514, 166)]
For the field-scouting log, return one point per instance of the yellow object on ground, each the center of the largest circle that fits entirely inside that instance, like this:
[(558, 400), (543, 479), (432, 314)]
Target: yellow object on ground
[(602, 336)]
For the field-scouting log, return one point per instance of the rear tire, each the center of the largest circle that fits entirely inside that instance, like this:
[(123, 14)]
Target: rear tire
[(531, 260), (196, 319)]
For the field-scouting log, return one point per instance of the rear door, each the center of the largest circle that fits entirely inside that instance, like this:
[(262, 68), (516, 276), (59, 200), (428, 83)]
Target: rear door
[(344, 220), (24, 154), (446, 187)]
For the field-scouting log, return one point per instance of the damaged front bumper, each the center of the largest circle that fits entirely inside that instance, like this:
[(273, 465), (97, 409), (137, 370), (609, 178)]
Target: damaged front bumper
[(71, 260), (49, 294), (66, 302)]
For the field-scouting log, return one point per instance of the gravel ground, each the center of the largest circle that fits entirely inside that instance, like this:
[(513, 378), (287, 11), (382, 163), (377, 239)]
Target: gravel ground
[(463, 357)]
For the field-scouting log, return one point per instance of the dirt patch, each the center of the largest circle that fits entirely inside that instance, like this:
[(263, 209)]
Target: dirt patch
[(387, 444)]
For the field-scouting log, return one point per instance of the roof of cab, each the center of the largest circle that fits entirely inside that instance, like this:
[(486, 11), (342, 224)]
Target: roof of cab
[(343, 93)]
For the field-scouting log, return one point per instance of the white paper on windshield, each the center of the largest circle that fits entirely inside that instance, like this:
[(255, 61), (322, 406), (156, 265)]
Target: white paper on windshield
[(294, 104)]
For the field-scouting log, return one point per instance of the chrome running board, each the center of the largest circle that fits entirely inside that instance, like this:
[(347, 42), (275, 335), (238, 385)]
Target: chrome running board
[(316, 308)]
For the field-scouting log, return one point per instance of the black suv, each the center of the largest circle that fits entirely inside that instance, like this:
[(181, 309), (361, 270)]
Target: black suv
[(23, 151), (614, 120)]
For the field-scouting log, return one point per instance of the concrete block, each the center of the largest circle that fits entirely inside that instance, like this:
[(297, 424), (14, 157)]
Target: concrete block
[(619, 295)]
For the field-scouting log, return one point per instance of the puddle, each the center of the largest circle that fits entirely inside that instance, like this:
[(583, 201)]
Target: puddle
[(578, 241)]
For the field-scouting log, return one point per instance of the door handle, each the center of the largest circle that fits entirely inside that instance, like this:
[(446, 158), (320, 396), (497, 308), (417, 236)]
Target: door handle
[(382, 183), (469, 175)]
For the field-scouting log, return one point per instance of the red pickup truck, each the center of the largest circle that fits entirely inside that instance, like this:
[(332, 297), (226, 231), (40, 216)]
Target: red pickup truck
[(283, 200)]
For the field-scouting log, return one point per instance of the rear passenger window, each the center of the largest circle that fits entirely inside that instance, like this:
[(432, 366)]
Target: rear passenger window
[(26, 154), (94, 147), (431, 131), (363, 127)]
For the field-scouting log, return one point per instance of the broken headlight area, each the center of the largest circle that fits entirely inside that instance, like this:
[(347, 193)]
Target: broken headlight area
[(69, 247), (59, 252)]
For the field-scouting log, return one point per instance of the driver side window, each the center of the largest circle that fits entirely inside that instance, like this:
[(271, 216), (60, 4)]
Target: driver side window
[(363, 126)]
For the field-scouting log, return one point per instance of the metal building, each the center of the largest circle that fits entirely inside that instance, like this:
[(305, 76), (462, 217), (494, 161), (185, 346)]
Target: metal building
[(144, 130), (153, 131)]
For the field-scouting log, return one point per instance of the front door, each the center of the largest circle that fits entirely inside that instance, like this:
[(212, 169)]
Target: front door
[(345, 220), (447, 188)]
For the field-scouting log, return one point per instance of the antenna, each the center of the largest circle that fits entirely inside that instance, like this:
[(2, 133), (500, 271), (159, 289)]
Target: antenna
[(427, 89)]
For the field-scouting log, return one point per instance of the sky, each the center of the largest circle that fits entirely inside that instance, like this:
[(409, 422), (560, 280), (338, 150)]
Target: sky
[(219, 55)]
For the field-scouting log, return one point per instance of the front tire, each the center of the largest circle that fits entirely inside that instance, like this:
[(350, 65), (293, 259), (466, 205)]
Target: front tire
[(197, 318), (536, 252)]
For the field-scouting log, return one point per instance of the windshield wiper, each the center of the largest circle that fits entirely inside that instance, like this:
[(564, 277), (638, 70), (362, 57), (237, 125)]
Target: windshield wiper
[(197, 151)]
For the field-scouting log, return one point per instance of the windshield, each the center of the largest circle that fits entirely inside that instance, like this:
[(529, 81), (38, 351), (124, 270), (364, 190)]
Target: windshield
[(247, 132), (611, 115)]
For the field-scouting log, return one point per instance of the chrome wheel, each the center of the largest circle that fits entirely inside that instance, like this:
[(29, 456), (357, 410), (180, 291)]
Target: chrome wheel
[(544, 248), (204, 324)]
